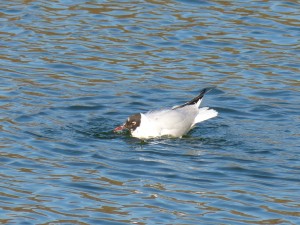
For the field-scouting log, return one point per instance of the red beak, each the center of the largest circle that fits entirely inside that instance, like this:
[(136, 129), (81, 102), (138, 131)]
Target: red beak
[(117, 129)]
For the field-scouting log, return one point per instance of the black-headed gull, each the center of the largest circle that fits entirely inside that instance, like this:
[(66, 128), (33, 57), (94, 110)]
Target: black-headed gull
[(174, 122)]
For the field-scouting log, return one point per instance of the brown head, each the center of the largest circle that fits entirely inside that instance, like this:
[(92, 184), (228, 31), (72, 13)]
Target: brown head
[(131, 123)]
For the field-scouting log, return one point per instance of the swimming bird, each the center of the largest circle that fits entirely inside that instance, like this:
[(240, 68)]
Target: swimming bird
[(173, 122)]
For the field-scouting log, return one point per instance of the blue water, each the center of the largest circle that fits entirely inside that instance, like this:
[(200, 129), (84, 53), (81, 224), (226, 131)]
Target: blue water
[(71, 71)]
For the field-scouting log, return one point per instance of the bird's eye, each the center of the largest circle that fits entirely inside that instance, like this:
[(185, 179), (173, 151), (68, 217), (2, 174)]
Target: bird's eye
[(133, 123)]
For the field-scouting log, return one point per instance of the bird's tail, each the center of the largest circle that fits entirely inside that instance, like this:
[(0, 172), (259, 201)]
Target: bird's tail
[(205, 113)]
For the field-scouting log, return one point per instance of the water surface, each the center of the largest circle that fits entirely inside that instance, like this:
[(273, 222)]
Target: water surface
[(73, 70)]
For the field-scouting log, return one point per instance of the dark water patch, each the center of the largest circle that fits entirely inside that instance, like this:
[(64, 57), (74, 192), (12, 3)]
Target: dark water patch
[(200, 2), (232, 111), (86, 186), (99, 128), (70, 152), (30, 118), (83, 107)]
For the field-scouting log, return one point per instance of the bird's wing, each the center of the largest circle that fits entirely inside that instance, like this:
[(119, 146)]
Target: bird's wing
[(173, 122), (195, 101)]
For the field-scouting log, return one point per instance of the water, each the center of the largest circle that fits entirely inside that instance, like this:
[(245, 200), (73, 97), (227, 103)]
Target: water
[(73, 70)]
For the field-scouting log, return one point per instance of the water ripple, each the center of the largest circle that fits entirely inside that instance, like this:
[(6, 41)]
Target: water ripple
[(71, 71)]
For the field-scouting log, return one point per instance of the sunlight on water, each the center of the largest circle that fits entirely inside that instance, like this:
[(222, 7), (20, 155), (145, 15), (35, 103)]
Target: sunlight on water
[(71, 71)]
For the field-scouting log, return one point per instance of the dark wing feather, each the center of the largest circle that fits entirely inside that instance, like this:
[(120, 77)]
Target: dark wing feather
[(196, 99)]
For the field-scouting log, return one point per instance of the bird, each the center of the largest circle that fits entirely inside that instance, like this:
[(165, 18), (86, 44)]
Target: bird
[(174, 122)]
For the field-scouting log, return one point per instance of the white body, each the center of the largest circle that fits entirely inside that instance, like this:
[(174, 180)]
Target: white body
[(174, 122)]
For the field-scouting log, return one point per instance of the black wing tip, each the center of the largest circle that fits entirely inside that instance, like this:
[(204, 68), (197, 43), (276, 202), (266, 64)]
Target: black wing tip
[(207, 89), (198, 97), (201, 94)]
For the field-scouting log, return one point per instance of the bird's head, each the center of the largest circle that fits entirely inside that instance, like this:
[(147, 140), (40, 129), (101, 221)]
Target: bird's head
[(131, 123)]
